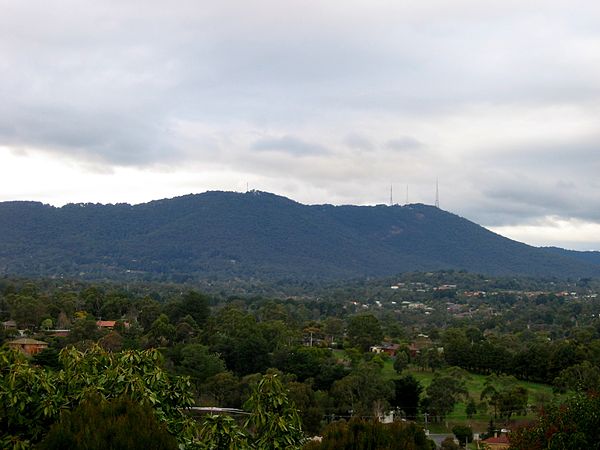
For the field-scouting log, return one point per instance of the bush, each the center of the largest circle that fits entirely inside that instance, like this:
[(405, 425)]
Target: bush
[(360, 434), (98, 424)]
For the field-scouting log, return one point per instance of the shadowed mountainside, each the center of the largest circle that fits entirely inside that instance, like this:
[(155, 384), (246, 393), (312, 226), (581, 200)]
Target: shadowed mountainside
[(257, 234)]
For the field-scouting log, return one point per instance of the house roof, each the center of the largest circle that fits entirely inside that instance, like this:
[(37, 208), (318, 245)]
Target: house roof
[(110, 323), (27, 341), (502, 439)]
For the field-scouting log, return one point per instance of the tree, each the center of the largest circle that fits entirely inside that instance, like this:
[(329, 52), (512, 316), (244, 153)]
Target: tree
[(471, 408), (407, 394), (400, 362), (505, 395), (365, 391), (221, 432), (199, 363), (274, 421), (27, 311), (193, 304), (443, 393), (119, 424), (223, 389), (309, 408), (236, 336), (333, 329), (364, 331), (111, 341), (449, 444), (149, 312), (31, 398), (162, 331), (83, 330), (46, 324), (572, 425), (580, 377), (47, 358), (361, 434), (463, 433)]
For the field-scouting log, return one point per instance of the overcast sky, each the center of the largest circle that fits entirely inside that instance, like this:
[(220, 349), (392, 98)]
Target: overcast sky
[(320, 101)]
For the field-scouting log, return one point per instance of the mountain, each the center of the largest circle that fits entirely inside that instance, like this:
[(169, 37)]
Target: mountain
[(257, 234), (592, 257)]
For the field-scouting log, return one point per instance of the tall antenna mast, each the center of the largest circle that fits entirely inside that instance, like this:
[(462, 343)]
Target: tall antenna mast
[(391, 195), (407, 193), (437, 193)]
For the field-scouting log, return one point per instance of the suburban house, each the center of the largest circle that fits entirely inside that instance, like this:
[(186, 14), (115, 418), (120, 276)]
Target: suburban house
[(109, 324), (496, 443), (28, 346), (58, 333), (387, 348), (421, 342), (9, 325)]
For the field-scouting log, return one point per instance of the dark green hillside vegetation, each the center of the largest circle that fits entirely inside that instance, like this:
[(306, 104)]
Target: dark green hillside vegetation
[(260, 235), (444, 349), (360, 434), (97, 424)]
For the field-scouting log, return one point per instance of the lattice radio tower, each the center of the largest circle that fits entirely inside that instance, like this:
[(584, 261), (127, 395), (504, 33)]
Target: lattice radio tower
[(437, 193)]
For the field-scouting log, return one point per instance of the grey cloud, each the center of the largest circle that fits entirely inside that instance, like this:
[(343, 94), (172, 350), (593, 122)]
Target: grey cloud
[(404, 143), (104, 83), (290, 145), (358, 142)]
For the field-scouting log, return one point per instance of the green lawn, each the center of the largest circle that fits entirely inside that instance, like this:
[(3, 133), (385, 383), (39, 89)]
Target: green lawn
[(475, 385)]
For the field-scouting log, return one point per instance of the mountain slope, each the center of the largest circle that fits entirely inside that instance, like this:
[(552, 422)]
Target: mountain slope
[(225, 234)]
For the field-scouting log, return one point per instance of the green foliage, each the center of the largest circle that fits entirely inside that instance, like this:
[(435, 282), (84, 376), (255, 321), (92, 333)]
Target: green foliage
[(400, 362), (364, 331), (505, 395), (463, 433), (364, 391), (449, 444), (162, 331), (471, 408), (222, 433), (223, 389), (309, 404), (579, 377), (118, 424), (228, 235), (274, 421), (573, 425), (360, 434), (197, 362), (407, 395), (192, 304), (237, 337), (443, 393), (48, 357), (32, 398)]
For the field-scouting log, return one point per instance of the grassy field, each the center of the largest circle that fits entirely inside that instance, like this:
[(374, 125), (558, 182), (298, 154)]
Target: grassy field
[(475, 384)]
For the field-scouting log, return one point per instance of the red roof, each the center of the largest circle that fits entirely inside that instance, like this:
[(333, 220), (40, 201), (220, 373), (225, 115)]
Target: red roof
[(109, 324), (502, 439)]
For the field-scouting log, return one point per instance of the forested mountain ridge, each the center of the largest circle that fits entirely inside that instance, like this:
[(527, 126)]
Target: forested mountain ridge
[(258, 234)]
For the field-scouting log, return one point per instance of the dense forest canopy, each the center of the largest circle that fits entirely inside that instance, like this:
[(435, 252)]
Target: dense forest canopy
[(257, 235), (420, 345)]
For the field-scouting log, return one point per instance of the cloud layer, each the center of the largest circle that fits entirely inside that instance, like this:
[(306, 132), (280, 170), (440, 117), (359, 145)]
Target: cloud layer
[(320, 101)]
